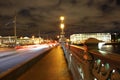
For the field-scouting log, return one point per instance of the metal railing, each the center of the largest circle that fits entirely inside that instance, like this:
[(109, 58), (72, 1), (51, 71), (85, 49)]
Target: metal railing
[(92, 65)]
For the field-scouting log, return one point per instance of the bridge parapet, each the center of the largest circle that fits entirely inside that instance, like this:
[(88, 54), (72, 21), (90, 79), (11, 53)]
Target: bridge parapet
[(92, 65), (106, 67)]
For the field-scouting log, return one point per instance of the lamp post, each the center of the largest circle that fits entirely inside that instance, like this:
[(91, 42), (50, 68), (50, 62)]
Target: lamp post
[(14, 22), (62, 24), (62, 37), (15, 30)]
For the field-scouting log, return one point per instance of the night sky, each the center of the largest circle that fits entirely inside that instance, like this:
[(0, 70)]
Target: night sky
[(42, 16)]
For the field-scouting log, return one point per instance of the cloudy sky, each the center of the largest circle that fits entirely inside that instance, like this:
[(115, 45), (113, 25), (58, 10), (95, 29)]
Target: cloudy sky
[(42, 16)]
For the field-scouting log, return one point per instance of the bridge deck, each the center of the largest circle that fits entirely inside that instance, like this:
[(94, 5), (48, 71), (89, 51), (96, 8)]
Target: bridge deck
[(52, 66)]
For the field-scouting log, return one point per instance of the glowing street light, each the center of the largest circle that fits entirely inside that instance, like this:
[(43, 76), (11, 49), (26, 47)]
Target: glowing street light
[(62, 18), (62, 26)]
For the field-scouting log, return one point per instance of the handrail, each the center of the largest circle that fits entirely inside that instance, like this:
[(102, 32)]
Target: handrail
[(92, 65), (113, 59)]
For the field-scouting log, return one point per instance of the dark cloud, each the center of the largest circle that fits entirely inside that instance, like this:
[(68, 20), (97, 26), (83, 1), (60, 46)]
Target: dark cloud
[(34, 16), (118, 2), (24, 13), (105, 8)]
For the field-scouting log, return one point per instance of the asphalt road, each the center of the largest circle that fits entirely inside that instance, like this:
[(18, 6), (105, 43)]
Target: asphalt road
[(12, 58), (52, 66)]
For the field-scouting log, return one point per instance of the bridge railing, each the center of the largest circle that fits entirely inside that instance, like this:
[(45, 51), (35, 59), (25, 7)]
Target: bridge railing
[(92, 64)]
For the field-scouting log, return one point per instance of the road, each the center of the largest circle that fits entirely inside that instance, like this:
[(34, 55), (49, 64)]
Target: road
[(14, 57)]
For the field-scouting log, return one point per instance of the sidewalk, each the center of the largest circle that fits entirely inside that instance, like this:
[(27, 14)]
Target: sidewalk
[(52, 66)]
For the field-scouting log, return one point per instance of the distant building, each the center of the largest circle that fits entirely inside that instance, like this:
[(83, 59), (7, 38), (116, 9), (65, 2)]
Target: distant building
[(9, 41), (80, 38)]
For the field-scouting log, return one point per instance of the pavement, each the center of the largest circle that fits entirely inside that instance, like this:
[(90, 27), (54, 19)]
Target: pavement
[(52, 66)]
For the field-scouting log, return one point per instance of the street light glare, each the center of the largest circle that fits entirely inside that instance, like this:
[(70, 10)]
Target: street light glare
[(62, 18), (62, 26)]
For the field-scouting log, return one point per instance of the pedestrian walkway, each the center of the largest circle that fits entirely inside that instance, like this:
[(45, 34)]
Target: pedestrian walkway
[(52, 66)]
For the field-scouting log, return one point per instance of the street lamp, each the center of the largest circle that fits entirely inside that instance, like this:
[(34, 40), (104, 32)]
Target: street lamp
[(62, 26), (62, 18)]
